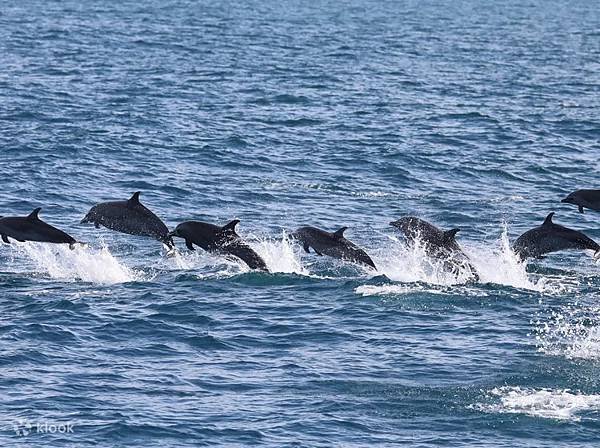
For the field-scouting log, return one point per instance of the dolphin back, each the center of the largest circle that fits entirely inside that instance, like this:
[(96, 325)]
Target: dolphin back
[(130, 217)]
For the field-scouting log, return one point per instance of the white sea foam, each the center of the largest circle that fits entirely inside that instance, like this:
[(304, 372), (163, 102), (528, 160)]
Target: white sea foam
[(83, 263), (394, 289), (559, 404), (572, 332)]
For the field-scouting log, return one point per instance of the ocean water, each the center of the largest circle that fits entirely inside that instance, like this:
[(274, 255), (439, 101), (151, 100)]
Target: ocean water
[(471, 114)]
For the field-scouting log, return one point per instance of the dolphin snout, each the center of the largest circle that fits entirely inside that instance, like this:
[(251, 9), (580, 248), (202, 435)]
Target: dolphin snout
[(565, 200)]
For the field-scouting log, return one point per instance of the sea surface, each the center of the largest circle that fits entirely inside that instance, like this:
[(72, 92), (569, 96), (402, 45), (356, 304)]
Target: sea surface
[(472, 114)]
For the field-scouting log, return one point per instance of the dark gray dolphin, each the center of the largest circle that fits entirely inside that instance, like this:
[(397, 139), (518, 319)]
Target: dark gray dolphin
[(584, 199), (219, 240), (129, 217), (550, 237), (32, 228), (437, 243), (332, 244)]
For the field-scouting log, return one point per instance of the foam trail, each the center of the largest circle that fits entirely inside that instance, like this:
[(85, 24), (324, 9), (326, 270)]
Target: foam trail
[(559, 404), (80, 264)]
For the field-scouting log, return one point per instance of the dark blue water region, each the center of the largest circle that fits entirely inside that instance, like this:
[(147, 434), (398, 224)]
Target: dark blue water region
[(469, 114)]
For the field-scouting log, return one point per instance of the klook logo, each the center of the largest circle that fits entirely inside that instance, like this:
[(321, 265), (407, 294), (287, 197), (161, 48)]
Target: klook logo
[(24, 427)]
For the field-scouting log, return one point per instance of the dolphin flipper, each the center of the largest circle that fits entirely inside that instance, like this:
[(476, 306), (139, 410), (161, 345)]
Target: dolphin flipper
[(306, 248), (5, 239), (580, 209), (189, 245)]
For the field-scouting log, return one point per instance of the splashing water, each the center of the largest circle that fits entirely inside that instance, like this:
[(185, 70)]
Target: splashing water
[(572, 332), (280, 255), (80, 264), (501, 265), (559, 404), (411, 264), (204, 264)]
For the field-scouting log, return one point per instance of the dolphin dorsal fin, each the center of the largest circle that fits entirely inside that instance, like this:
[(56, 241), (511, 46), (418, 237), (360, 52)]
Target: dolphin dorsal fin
[(340, 233), (135, 199), (33, 216), (548, 219), (230, 226), (449, 235)]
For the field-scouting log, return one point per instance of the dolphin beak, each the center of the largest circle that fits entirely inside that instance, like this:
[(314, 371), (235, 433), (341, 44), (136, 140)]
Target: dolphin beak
[(564, 200)]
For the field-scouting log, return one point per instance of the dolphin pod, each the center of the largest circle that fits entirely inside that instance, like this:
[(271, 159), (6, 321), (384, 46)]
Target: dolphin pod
[(550, 237), (584, 199), (32, 228), (132, 217), (438, 244), (331, 244), (220, 240)]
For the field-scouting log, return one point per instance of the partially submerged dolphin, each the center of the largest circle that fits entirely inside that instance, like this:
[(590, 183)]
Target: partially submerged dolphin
[(220, 240), (584, 199), (130, 217), (550, 237), (437, 243), (332, 244), (32, 228)]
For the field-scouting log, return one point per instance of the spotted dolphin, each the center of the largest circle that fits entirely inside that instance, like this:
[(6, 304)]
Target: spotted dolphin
[(219, 240), (332, 244), (584, 199), (32, 228), (550, 237), (130, 217), (437, 243)]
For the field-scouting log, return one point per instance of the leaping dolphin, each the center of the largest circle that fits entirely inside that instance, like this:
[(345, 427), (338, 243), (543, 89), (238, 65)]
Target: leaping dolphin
[(584, 199), (332, 244), (437, 243), (32, 228), (550, 237), (130, 217), (220, 240)]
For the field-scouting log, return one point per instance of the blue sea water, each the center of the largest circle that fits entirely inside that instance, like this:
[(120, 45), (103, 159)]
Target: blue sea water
[(472, 114)]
